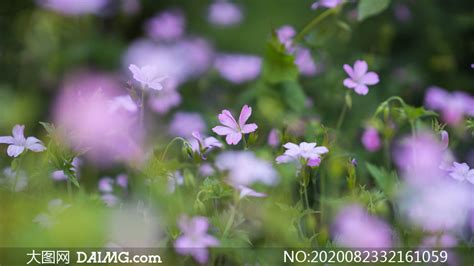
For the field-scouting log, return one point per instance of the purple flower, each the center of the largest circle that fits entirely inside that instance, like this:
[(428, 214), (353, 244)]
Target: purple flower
[(147, 76), (371, 139), (206, 169), (442, 205), (233, 130), (203, 145), (244, 168), (440, 241), (462, 172), (304, 62), (444, 138), (107, 187), (359, 78), (309, 153), (123, 102), (355, 228), (184, 124), (73, 7), (248, 192), (194, 241), (420, 158), (238, 68), (122, 180), (453, 106), (18, 143), (273, 138), (285, 35), (326, 3), (166, 99), (168, 25), (223, 13), (106, 184)]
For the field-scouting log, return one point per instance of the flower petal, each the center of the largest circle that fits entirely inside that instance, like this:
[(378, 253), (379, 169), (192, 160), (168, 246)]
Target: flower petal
[(222, 130), (34, 144), (227, 119), (321, 150), (244, 115), (233, 138), (14, 150), (370, 78), (18, 132), (349, 83), (249, 128), (361, 89), (360, 68), (349, 70), (6, 140)]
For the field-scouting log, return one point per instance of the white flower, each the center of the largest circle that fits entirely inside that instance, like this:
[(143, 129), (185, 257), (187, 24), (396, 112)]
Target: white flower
[(18, 142)]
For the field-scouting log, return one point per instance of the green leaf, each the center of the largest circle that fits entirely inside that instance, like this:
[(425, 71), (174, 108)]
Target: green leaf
[(414, 113), (294, 96), (385, 180), (278, 66), (368, 8)]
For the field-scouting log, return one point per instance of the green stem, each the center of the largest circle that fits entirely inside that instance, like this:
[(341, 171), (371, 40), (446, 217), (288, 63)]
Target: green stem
[(313, 23), (231, 219), (69, 189), (341, 116), (169, 145), (245, 143), (142, 108), (17, 173)]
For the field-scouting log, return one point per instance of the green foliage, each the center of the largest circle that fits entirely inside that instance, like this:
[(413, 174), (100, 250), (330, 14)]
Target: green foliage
[(369, 8), (278, 65), (385, 180), (294, 96)]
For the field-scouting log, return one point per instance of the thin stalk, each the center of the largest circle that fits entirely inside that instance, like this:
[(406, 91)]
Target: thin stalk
[(245, 143), (341, 116), (169, 145), (17, 173), (231, 219), (142, 108), (313, 23)]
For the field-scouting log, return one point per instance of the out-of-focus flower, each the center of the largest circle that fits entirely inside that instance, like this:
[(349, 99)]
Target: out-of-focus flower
[(169, 97), (167, 25), (123, 102), (233, 130), (354, 161), (238, 68), (73, 7), (359, 78), (444, 138), (109, 186), (309, 153), (402, 12), (203, 145), (181, 60), (184, 124), (285, 35), (453, 106), (206, 169), (462, 172), (371, 139), (130, 7), (195, 240), (244, 168), (82, 113), (18, 143), (47, 219), (440, 206), (304, 62), (420, 158), (174, 180), (223, 13), (13, 180), (273, 138), (439, 241), (326, 4), (147, 76), (59, 175), (355, 228), (248, 192)]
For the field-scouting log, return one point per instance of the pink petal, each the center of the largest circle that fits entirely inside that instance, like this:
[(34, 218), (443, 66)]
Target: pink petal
[(361, 89), (249, 128), (233, 138), (221, 130), (370, 78), (7, 140), (244, 115), (14, 150), (360, 68), (349, 83), (348, 70), (227, 119)]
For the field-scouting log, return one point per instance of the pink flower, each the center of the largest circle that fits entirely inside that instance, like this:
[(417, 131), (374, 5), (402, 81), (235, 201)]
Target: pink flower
[(326, 3), (73, 7), (123, 102), (355, 228), (233, 130), (462, 172), (194, 241), (453, 106), (273, 138), (169, 97), (168, 25), (285, 35), (223, 13), (147, 76), (203, 145), (18, 143), (371, 139), (309, 153), (359, 78), (238, 68)]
